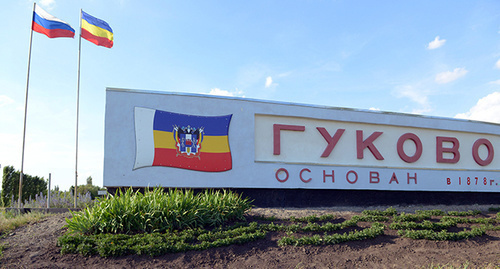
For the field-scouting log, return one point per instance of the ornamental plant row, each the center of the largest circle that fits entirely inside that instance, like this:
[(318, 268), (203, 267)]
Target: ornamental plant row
[(156, 223)]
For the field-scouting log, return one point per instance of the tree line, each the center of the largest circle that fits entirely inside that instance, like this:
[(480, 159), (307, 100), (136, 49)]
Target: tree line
[(32, 186)]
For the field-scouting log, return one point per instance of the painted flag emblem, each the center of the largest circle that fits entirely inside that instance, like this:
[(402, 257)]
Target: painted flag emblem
[(184, 141)]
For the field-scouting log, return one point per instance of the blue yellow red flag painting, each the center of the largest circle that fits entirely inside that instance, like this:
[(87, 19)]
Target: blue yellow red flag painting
[(183, 141)]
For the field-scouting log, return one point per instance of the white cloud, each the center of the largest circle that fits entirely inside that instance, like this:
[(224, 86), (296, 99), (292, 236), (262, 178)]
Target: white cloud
[(252, 76), (270, 84), (436, 43), (414, 94), (495, 82), (217, 91), (48, 4), (285, 74), (269, 81), (449, 76), (417, 95), (5, 100), (486, 109), (497, 64)]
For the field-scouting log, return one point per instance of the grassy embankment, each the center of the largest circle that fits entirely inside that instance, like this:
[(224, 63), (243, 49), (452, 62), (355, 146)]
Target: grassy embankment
[(155, 223)]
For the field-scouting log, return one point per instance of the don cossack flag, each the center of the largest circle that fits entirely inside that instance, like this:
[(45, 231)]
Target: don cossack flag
[(183, 141)]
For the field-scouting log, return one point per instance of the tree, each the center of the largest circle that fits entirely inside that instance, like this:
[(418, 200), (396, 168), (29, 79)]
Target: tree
[(83, 189), (32, 185)]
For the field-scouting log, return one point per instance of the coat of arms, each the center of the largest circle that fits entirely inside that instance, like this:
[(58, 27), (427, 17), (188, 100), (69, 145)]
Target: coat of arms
[(188, 140)]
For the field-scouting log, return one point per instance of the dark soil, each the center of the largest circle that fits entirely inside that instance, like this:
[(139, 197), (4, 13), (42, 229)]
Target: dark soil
[(34, 246)]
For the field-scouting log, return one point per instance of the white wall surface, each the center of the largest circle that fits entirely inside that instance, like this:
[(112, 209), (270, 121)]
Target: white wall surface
[(255, 166)]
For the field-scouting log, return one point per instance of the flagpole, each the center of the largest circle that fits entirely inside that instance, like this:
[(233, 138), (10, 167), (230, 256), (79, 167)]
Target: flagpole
[(25, 115), (78, 106)]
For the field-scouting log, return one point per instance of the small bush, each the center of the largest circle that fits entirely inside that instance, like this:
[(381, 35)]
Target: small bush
[(442, 235), (156, 211), (464, 213), (388, 212), (375, 230)]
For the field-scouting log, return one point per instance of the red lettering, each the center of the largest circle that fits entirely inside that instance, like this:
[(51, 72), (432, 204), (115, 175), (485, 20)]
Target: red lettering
[(332, 176), (453, 150), (418, 145), (282, 171), (475, 151), (277, 137), (374, 177), (355, 177), (301, 178), (367, 143), (394, 178), (331, 140), (413, 177)]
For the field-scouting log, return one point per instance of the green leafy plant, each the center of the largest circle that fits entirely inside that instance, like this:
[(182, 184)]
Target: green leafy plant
[(156, 211), (200, 230), (494, 209), (442, 235), (154, 244), (464, 213), (375, 230), (388, 212)]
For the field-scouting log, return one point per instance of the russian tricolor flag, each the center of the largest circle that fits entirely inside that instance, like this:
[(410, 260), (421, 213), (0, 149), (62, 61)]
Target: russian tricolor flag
[(49, 25)]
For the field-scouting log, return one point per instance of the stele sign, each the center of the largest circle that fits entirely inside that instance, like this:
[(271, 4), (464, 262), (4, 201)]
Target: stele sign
[(201, 141)]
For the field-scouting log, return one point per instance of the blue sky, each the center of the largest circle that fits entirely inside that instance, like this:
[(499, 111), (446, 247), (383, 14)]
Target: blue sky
[(437, 58)]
